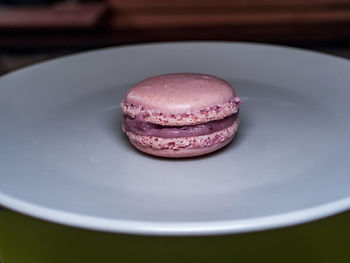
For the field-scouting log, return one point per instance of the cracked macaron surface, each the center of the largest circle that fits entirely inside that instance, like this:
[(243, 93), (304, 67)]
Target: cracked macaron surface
[(181, 114)]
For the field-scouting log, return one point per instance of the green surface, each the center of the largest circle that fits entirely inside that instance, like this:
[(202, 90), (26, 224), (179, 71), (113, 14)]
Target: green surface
[(24, 239)]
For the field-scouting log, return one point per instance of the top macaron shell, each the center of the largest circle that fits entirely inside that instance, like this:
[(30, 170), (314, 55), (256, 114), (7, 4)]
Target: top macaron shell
[(181, 99), (180, 93)]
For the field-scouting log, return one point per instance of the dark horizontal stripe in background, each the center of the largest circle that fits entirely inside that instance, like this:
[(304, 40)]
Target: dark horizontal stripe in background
[(114, 22)]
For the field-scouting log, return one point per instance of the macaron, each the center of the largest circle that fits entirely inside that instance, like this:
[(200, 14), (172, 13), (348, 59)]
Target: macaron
[(180, 115)]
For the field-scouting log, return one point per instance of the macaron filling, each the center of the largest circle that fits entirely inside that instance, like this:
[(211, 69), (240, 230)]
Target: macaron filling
[(139, 126), (217, 112)]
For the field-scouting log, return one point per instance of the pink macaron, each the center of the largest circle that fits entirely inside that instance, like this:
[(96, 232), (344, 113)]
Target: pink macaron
[(180, 115)]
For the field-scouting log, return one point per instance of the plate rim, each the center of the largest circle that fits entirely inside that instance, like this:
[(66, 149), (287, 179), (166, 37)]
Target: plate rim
[(181, 42), (176, 229)]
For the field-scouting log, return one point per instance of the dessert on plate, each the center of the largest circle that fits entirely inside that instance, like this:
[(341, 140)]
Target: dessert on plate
[(180, 114)]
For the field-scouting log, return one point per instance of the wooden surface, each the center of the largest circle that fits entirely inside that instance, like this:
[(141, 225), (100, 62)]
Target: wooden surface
[(136, 14), (291, 22), (226, 4), (68, 15)]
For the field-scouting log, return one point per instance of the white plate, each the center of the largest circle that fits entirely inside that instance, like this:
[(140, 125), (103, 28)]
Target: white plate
[(64, 158)]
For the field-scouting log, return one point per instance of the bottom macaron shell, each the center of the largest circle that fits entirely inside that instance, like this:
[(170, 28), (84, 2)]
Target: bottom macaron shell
[(182, 152), (186, 146)]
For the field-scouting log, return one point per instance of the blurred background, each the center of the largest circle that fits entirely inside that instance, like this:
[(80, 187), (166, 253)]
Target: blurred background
[(36, 30)]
